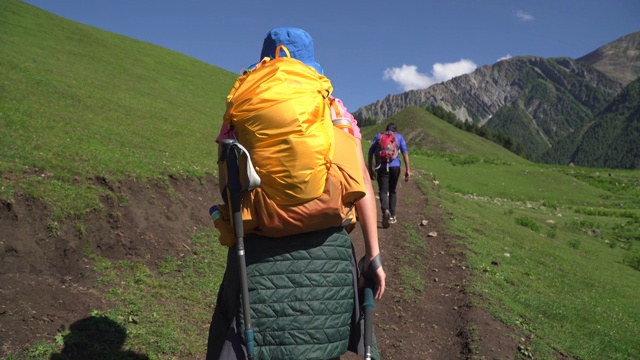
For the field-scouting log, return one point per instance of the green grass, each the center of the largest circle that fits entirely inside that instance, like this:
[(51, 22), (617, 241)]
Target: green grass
[(166, 312), (80, 103), (514, 182), (574, 289), (412, 284)]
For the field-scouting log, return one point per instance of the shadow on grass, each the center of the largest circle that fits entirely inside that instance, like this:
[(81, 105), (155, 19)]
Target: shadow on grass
[(96, 337)]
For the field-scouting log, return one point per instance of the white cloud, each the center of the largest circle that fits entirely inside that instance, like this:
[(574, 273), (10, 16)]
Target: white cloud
[(524, 16), (408, 77), (506, 57)]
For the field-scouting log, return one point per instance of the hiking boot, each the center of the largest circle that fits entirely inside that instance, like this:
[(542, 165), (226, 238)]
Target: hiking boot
[(393, 220), (385, 219)]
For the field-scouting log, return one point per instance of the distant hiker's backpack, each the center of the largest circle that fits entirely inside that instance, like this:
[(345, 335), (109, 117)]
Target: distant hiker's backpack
[(310, 171), (387, 148)]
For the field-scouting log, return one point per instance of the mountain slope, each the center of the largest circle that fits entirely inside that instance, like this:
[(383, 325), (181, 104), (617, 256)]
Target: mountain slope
[(543, 103), (534, 100), (558, 96)]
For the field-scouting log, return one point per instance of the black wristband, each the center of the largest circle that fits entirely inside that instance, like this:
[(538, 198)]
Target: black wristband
[(374, 264)]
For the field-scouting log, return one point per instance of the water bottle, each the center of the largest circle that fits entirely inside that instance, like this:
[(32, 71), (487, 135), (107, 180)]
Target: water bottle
[(343, 124), (215, 213)]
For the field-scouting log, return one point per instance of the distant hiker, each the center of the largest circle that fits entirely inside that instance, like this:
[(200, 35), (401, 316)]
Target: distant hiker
[(301, 267), (386, 148)]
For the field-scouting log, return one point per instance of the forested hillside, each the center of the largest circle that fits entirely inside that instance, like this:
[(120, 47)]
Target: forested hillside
[(613, 139)]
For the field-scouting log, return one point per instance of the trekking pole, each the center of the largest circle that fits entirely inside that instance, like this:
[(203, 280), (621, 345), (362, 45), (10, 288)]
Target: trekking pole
[(230, 150), (368, 303)]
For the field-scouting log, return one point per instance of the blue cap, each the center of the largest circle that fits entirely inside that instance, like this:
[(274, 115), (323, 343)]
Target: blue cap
[(297, 41)]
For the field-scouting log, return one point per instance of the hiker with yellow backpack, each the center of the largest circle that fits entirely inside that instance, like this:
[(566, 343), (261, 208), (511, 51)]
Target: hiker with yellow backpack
[(291, 171)]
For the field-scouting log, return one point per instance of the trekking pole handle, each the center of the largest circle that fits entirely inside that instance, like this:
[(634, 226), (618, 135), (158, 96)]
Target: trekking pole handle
[(235, 198)]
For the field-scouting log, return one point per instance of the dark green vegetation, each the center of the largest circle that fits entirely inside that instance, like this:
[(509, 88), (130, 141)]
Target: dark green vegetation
[(553, 101), (610, 142), (498, 137), (554, 250)]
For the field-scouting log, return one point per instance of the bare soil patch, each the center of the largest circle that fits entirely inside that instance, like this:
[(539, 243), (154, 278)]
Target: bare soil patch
[(47, 284)]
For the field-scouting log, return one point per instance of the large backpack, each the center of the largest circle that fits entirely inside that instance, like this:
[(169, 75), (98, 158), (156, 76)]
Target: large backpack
[(387, 149), (310, 172)]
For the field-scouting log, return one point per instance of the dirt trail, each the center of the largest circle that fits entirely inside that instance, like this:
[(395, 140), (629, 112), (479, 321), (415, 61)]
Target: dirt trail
[(438, 323)]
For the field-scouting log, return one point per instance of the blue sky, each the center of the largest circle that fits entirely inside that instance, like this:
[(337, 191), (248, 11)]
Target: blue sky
[(368, 49)]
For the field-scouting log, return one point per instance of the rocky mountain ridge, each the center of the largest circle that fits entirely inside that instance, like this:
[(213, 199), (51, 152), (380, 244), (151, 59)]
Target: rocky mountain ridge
[(620, 59)]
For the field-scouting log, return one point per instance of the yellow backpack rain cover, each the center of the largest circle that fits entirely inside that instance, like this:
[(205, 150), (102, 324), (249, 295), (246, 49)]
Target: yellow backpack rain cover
[(280, 112)]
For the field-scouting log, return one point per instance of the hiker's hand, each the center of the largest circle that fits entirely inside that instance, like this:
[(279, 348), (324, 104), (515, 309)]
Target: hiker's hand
[(378, 276), (372, 174), (407, 175), (379, 279)]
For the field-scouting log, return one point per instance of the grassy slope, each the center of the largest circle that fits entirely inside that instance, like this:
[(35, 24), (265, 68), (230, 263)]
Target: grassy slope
[(555, 281), (79, 102)]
